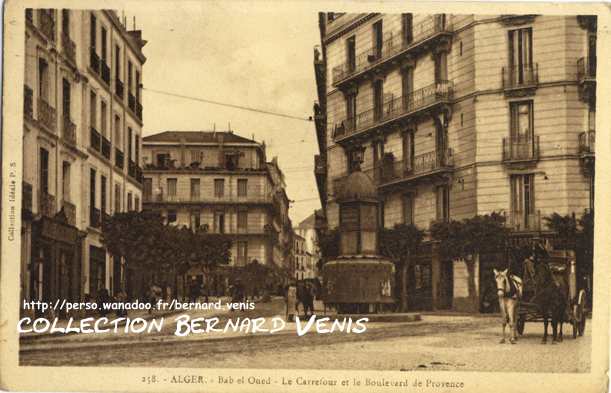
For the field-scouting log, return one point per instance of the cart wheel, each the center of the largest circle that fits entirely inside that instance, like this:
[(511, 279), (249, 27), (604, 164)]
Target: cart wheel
[(520, 327)]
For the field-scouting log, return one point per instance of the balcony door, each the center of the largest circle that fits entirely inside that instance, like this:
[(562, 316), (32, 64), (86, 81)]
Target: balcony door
[(522, 202), (378, 99), (591, 55), (351, 54), (408, 151), (520, 56), (378, 40), (408, 27), (522, 132)]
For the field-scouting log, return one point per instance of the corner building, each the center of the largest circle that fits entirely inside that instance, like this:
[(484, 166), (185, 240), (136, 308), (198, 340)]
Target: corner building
[(454, 116), (82, 123)]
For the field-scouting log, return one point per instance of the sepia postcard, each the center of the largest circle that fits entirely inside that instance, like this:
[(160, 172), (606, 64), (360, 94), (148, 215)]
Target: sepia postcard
[(323, 196)]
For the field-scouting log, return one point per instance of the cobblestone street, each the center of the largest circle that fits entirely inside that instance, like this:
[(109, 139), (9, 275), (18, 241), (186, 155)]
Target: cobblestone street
[(438, 342)]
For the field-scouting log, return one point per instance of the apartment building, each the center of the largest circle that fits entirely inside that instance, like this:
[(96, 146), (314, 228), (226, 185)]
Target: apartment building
[(457, 115), (81, 142), (306, 230), (220, 181)]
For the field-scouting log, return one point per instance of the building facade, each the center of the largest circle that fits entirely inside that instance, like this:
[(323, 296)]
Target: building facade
[(454, 116), (221, 181), (81, 142), (306, 230)]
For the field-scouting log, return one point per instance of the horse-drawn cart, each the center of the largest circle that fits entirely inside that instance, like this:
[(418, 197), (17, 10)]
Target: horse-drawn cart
[(563, 268)]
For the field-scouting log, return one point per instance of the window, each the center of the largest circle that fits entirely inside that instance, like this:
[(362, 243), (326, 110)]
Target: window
[(137, 203), (441, 67), (378, 152), (521, 121), (137, 86), (197, 156), (66, 101), (242, 187), (171, 187), (378, 39), (591, 71), (147, 188), (92, 219), (195, 186), (163, 159), (117, 198), (378, 99), (103, 116), (408, 151), (103, 193), (195, 219), (171, 216), (92, 32), (66, 181), (408, 209), (118, 141), (242, 220), (129, 201), (129, 76), (351, 111), (407, 24), (129, 143), (118, 62), (92, 109), (66, 22), (355, 159), (520, 56), (137, 146), (443, 203), (232, 161), (219, 187), (104, 45), (43, 79), (219, 222), (44, 171), (407, 87), (242, 253), (591, 118), (351, 53), (523, 201)]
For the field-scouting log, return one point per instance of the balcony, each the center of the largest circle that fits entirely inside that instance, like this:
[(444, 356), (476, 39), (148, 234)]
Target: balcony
[(95, 140), (119, 88), (520, 80), (131, 102), (46, 204), (586, 76), (46, 115), (393, 46), (520, 150), (519, 221), (106, 148), (165, 197), (69, 47), (587, 141), (47, 24), (94, 61), (393, 172), (95, 219), (26, 196), (70, 212), (68, 130), (394, 109), (139, 110), (105, 72), (28, 102), (131, 169), (119, 158)]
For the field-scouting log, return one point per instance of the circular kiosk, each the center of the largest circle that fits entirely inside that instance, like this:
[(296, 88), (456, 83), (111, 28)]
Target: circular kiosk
[(359, 280)]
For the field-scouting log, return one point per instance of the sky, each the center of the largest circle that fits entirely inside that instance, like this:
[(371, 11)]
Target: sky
[(236, 53)]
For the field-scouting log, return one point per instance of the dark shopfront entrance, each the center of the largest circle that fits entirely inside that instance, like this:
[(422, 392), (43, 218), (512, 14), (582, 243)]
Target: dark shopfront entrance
[(55, 269), (420, 281)]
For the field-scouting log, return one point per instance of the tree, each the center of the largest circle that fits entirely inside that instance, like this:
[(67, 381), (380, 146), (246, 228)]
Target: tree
[(470, 237), (399, 244)]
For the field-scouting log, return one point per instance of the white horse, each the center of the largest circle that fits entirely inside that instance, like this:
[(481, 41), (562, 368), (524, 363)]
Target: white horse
[(509, 290)]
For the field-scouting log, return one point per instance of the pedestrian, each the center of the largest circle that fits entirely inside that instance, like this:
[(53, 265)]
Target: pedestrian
[(291, 301)]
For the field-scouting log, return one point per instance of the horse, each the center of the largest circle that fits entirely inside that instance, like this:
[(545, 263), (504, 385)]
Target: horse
[(509, 290), (551, 298), (305, 296)]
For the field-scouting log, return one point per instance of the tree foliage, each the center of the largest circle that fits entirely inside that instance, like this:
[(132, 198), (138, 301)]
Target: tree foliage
[(400, 242)]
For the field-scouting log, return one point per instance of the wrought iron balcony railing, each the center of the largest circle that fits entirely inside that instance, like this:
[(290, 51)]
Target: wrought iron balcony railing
[(47, 204), (421, 165), (105, 72), (69, 47), (586, 69), (46, 115), (516, 77), (518, 149), (94, 60), (119, 158), (47, 24), (28, 102), (95, 140), (106, 147), (587, 142), (166, 197), (393, 44), (395, 108), (68, 130), (521, 221), (70, 212), (131, 168), (119, 88), (26, 196)]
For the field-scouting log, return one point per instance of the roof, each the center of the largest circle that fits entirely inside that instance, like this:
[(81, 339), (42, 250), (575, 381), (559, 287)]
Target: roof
[(357, 186), (308, 223), (198, 137)]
